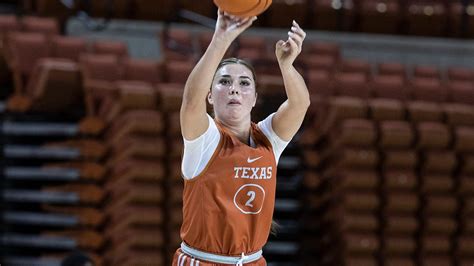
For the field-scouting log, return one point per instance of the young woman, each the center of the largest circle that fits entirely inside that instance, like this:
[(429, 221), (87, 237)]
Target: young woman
[(229, 163)]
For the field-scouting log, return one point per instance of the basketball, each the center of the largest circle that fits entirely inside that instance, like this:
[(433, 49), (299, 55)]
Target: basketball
[(243, 8)]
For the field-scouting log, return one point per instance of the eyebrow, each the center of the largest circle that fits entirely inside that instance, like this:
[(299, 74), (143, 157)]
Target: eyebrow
[(229, 76)]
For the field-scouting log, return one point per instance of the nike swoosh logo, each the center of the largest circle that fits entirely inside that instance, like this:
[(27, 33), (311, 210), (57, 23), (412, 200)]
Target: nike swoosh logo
[(249, 160)]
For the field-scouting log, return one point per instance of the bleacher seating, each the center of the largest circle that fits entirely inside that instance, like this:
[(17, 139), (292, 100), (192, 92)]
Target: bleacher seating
[(387, 147)]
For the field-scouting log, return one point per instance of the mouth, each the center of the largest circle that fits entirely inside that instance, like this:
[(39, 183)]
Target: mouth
[(234, 102)]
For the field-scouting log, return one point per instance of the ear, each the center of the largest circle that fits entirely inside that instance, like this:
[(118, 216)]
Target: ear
[(209, 98)]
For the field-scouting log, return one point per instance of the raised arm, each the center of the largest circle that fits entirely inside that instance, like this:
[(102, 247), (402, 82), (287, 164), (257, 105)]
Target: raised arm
[(193, 119), (289, 117)]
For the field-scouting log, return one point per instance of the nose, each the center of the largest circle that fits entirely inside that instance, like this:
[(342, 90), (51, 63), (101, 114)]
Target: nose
[(234, 89)]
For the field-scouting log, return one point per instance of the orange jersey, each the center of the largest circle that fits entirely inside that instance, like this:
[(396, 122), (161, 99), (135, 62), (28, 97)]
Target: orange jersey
[(228, 208)]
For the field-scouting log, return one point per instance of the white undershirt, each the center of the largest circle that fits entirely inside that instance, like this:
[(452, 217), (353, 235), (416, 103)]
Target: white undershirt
[(199, 151)]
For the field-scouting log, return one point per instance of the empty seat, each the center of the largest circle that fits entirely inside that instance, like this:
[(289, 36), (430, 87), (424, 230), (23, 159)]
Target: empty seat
[(355, 65), (440, 205), (144, 122), (131, 95), (467, 166), (354, 132), (143, 70), (399, 245), (355, 158), (432, 135), (8, 23), (140, 147), (398, 159), (99, 74), (466, 187), (320, 83), (117, 48), (361, 243), (460, 74), (399, 180), (40, 24), (400, 224), (436, 260), (352, 84), (399, 261), (428, 89), (178, 71), (386, 109), (55, 86), (323, 48), (439, 162), (320, 62), (464, 139), (357, 179), (458, 114), (391, 68), (436, 183), (435, 244), (396, 134), (24, 50), (401, 203), (130, 170), (366, 201), (171, 96), (424, 111), (339, 108), (426, 71), (439, 225), (388, 86), (359, 223), (68, 47), (461, 92)]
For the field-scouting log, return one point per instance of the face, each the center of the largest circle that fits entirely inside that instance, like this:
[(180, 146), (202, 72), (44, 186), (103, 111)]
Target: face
[(233, 93)]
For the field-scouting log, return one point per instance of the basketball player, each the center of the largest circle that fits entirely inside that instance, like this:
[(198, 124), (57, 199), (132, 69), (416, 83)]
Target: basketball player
[(229, 163)]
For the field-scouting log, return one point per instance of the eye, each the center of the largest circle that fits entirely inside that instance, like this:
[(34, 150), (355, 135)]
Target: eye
[(224, 81), (245, 83)]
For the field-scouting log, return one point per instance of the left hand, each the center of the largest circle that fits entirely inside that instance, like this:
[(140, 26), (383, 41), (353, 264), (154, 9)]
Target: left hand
[(287, 51)]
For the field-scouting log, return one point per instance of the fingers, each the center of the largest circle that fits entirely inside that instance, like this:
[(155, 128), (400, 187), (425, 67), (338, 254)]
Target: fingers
[(295, 28), (294, 45), (297, 35), (242, 23)]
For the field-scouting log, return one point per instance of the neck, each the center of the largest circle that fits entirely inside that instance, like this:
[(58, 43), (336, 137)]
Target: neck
[(241, 129)]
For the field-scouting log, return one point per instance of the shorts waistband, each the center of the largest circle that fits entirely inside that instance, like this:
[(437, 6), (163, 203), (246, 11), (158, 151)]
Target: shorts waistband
[(220, 258)]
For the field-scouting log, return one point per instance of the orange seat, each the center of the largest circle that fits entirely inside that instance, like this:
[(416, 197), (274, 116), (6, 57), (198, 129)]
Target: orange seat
[(68, 47), (391, 68), (352, 84), (40, 24), (428, 89), (388, 86), (143, 70), (117, 48), (99, 74), (461, 92)]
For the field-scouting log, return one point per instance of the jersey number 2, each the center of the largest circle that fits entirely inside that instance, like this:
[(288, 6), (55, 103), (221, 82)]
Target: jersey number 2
[(251, 194)]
